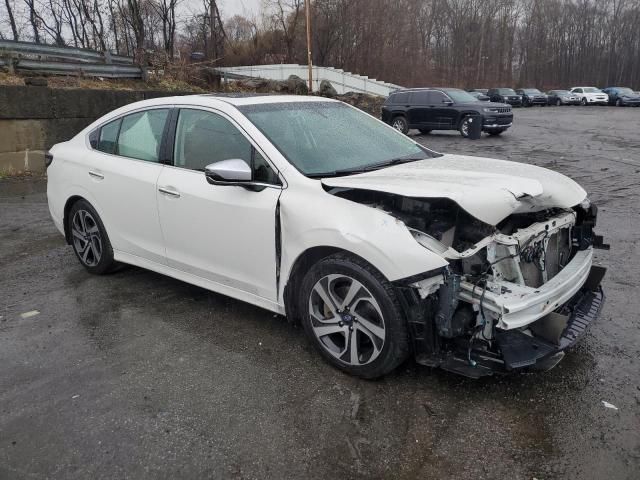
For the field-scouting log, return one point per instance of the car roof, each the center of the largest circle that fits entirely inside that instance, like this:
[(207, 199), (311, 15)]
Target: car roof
[(235, 99)]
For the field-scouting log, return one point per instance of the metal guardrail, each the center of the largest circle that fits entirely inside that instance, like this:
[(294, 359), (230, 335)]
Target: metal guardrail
[(342, 81), (53, 60)]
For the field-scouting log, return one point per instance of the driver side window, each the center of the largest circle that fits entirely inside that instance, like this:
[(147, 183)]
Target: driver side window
[(203, 138)]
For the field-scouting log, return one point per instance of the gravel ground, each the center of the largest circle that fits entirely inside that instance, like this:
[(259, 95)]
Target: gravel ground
[(135, 375)]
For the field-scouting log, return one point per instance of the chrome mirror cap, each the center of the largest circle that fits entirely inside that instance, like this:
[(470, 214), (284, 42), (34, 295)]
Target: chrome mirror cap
[(232, 170)]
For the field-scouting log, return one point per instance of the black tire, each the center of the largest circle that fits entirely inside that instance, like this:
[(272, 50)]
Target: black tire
[(463, 128), (584, 102), (400, 123), (619, 103), (495, 133), (97, 255), (425, 131), (558, 103), (395, 347)]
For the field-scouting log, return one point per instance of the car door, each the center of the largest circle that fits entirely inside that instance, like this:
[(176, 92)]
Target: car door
[(225, 234), (418, 113), (122, 171), (441, 112)]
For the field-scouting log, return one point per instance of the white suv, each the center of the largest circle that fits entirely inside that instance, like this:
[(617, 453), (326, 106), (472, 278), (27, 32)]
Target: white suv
[(312, 209), (591, 95)]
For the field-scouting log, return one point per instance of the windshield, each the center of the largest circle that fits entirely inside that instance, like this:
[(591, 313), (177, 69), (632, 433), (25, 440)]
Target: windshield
[(331, 138), (460, 96), (592, 90), (627, 91), (531, 90), (506, 91)]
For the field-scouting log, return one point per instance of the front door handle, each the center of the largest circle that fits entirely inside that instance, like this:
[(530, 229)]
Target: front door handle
[(168, 191), (97, 175)]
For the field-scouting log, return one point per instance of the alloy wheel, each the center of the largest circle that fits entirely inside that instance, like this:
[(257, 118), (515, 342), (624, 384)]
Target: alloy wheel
[(399, 125), (86, 238), (346, 319)]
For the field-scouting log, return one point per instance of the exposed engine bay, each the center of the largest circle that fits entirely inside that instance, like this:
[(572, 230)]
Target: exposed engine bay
[(510, 292)]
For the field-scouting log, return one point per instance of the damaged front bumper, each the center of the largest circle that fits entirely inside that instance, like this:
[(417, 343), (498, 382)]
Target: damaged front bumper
[(518, 305), (507, 318)]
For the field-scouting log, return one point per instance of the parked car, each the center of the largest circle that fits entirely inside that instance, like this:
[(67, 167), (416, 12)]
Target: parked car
[(622, 96), (479, 96), (531, 97), (479, 90), (312, 209), (428, 109), (505, 95), (562, 97), (591, 95)]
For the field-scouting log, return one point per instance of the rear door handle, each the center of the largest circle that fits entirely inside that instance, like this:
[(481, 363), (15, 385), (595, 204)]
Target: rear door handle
[(168, 191), (97, 175)]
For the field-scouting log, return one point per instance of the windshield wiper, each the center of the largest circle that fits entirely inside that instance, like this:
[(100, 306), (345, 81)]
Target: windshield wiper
[(368, 168)]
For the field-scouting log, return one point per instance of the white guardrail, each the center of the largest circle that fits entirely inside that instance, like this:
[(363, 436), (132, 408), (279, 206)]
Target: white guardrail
[(342, 81)]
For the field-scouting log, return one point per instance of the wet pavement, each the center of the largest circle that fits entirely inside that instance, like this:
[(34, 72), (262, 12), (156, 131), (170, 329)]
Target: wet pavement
[(136, 375)]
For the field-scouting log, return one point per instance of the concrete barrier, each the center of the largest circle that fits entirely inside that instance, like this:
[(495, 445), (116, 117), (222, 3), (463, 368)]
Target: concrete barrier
[(32, 119)]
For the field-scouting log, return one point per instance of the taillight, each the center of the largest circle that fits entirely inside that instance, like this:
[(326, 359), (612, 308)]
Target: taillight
[(48, 159)]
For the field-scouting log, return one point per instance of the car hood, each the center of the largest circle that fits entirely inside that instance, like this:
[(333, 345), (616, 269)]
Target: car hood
[(488, 189)]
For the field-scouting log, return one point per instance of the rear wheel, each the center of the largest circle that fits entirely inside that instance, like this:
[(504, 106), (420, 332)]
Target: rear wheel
[(89, 238), (400, 124), (352, 316)]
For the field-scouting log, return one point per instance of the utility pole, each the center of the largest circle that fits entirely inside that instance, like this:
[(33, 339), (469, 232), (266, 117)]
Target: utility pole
[(307, 11)]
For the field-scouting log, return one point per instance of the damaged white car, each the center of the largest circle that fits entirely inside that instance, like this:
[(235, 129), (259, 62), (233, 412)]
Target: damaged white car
[(310, 208)]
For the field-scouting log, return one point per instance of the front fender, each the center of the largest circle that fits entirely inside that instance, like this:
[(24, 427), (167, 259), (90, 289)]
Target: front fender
[(319, 219)]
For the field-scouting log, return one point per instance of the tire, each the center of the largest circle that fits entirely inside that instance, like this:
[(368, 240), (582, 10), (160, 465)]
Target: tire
[(400, 124), (495, 133), (558, 103), (619, 103), (425, 131), (89, 238), (464, 127), (374, 324), (584, 102)]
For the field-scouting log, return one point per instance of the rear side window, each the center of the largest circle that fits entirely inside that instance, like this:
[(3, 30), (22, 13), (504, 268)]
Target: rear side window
[(420, 98), (109, 137), (141, 135), (577, 90), (401, 98)]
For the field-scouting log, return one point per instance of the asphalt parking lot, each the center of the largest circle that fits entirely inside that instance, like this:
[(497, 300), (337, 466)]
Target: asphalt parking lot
[(136, 375)]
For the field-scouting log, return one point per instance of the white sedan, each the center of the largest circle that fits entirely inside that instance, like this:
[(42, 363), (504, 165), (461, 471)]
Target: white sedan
[(591, 95), (312, 209)]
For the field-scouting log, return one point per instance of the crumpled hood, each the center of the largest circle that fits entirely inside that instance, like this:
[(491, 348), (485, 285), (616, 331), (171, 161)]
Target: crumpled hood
[(488, 189)]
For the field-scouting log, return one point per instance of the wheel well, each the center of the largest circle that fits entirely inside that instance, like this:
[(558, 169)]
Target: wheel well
[(301, 266), (67, 208)]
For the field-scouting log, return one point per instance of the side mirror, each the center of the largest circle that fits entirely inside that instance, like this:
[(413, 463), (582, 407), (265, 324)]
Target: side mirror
[(234, 171), (447, 102)]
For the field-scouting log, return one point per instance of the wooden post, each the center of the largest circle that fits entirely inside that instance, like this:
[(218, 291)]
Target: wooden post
[(307, 10)]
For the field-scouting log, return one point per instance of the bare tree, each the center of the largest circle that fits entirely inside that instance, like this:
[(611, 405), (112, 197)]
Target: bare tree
[(12, 20)]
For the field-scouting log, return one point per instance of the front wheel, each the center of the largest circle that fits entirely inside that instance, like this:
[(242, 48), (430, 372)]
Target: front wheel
[(618, 103), (584, 102), (400, 124), (465, 126), (352, 316), (558, 103), (89, 238)]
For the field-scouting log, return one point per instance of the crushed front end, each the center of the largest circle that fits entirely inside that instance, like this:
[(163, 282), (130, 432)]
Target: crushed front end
[(514, 296)]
